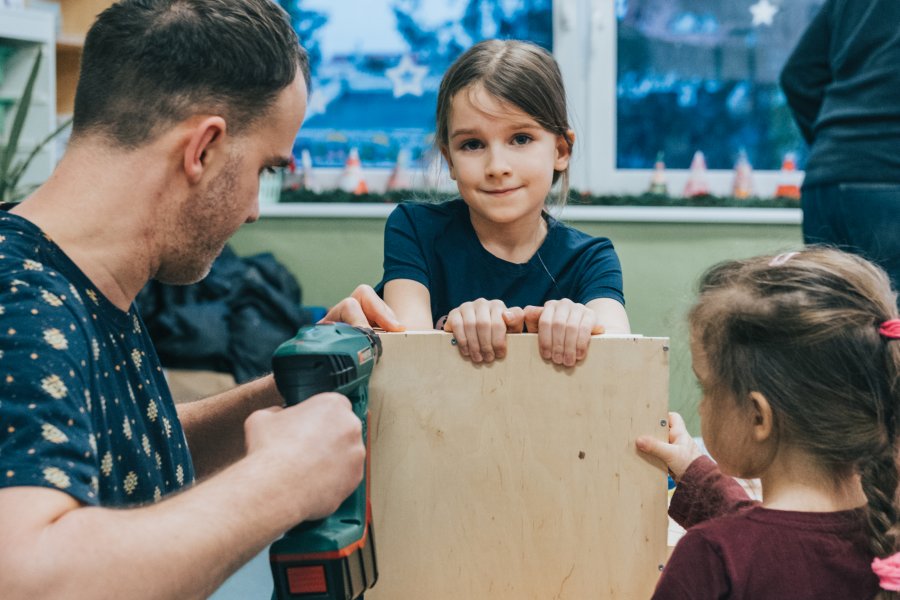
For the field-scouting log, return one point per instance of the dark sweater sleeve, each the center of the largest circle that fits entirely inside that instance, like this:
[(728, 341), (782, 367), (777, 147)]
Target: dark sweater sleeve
[(695, 571), (705, 493), (807, 72)]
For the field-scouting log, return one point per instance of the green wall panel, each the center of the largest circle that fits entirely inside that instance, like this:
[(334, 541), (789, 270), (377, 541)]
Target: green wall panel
[(661, 263)]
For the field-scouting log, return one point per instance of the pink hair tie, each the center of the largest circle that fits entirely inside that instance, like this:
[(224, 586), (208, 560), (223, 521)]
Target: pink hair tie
[(890, 329), (888, 571), (782, 258)]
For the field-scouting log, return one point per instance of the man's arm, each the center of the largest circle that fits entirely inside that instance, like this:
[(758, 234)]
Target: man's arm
[(807, 73), (301, 463), (215, 426)]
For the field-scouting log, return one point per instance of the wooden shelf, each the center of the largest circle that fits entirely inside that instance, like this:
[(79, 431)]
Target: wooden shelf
[(77, 18), (79, 15), (67, 42)]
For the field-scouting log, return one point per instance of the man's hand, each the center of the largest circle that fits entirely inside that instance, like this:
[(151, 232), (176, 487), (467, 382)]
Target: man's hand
[(363, 309), (315, 448), (679, 453)]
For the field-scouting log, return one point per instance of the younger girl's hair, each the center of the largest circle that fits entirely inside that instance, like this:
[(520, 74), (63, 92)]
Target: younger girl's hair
[(802, 329), (519, 73)]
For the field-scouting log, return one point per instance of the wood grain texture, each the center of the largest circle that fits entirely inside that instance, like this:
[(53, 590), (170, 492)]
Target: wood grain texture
[(518, 479)]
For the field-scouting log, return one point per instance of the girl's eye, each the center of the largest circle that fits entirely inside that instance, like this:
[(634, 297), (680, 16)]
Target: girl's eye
[(521, 139), (269, 170), (470, 145)]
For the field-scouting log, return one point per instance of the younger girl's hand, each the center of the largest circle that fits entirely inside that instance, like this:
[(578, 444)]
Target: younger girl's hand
[(564, 330), (679, 453), (480, 329)]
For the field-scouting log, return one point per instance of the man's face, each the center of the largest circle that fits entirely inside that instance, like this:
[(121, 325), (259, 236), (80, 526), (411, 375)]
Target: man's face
[(231, 198)]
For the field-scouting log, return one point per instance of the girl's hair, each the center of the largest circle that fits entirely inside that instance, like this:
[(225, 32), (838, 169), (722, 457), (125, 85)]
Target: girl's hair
[(513, 71), (802, 329)]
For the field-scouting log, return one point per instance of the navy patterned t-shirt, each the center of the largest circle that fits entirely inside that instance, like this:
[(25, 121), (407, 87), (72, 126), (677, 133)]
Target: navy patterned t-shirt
[(84, 405)]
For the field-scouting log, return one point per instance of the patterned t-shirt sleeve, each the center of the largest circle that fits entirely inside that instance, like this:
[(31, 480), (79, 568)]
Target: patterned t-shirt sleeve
[(403, 254), (46, 435)]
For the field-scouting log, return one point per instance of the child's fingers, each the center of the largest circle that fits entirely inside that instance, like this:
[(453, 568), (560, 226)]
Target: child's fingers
[(514, 317), (585, 330), (559, 329), (677, 428), (545, 330), (498, 329), (667, 453), (654, 447), (455, 326), (532, 317), (470, 324), (574, 325)]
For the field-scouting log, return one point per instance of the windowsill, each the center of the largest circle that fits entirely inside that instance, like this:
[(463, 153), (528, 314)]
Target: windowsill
[(621, 214)]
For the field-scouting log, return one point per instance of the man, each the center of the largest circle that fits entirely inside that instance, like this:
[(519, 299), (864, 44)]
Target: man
[(841, 84), (180, 106)]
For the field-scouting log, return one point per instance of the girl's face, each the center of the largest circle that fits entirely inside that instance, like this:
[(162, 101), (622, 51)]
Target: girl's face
[(501, 159), (726, 426)]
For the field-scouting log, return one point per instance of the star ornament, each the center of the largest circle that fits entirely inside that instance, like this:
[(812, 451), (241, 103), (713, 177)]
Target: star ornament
[(407, 77), (763, 13)]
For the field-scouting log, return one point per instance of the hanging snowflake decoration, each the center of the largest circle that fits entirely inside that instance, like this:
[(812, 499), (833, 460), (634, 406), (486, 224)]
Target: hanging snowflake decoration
[(407, 77), (763, 13)]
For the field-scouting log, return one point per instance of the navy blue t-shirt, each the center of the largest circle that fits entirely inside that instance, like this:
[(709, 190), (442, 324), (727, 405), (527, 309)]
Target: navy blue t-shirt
[(84, 405), (436, 245)]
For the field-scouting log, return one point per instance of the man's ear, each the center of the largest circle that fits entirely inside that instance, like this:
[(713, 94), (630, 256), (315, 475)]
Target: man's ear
[(564, 144), (763, 425), (446, 154), (204, 144)]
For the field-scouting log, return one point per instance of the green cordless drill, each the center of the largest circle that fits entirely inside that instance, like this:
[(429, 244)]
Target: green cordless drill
[(331, 559)]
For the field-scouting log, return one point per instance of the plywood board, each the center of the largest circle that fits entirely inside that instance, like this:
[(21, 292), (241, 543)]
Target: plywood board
[(518, 479)]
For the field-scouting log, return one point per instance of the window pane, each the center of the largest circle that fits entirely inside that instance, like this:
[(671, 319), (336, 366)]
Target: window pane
[(703, 75), (376, 67)]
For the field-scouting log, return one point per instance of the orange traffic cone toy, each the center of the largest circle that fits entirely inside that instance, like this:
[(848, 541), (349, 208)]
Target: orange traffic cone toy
[(352, 178), (743, 177), (788, 186), (697, 185), (399, 179)]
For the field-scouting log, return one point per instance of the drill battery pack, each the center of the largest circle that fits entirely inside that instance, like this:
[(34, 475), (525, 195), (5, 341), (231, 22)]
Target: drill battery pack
[(343, 574)]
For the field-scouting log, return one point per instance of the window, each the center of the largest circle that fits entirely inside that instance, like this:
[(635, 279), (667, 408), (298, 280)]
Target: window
[(677, 76), (643, 77), (376, 67)]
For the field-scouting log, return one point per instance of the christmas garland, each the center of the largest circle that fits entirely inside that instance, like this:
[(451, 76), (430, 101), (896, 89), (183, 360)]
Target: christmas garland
[(575, 199)]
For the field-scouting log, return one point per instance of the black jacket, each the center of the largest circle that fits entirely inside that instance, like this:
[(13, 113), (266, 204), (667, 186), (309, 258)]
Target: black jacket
[(842, 82), (231, 321)]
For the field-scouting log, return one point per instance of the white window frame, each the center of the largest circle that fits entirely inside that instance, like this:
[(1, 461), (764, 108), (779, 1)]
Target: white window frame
[(585, 45)]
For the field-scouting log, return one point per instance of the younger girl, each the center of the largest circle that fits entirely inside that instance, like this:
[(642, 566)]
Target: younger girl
[(470, 265), (798, 359)]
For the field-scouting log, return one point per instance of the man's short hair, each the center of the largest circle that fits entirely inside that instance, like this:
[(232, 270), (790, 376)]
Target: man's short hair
[(148, 64)]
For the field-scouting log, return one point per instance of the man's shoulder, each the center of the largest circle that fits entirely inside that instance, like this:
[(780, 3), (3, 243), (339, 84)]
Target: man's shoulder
[(34, 292)]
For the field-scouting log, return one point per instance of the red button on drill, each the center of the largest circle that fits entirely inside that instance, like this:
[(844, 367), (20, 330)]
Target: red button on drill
[(307, 580)]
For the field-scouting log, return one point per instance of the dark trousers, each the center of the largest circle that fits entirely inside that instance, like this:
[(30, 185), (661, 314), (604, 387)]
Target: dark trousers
[(863, 218)]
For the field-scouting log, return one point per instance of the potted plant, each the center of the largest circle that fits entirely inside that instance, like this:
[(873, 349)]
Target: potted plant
[(11, 171)]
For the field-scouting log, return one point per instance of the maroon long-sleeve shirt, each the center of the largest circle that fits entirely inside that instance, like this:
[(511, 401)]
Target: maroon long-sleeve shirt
[(736, 549)]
